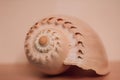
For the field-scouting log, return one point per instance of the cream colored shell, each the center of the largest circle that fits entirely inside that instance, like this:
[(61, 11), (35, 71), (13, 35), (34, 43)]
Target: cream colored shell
[(56, 42)]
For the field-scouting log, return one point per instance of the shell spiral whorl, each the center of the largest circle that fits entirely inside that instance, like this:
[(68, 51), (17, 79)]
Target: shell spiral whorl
[(46, 38), (46, 41)]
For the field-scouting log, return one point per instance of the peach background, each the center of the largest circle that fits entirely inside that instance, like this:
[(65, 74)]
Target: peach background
[(17, 16)]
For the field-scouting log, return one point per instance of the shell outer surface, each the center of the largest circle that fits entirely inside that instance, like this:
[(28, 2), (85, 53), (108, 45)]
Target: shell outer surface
[(56, 42)]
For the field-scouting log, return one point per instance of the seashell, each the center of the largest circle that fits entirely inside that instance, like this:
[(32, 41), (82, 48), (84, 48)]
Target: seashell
[(57, 42)]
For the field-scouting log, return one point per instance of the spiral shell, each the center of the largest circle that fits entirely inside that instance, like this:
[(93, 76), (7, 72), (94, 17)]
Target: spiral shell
[(56, 42)]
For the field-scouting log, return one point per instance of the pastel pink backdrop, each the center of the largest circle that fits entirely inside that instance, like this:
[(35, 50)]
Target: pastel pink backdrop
[(17, 16)]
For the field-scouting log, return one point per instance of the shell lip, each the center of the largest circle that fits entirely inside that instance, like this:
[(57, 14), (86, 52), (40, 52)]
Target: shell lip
[(84, 67)]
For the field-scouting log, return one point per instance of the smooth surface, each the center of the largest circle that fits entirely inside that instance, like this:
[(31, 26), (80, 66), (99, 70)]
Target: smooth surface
[(25, 72), (17, 16)]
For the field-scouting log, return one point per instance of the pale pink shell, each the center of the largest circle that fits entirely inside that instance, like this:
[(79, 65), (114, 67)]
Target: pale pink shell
[(71, 42)]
